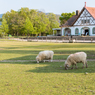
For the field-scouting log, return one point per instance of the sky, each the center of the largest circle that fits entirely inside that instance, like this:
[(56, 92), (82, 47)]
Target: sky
[(47, 6)]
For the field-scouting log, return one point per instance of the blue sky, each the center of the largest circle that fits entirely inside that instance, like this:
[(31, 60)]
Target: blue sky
[(52, 6)]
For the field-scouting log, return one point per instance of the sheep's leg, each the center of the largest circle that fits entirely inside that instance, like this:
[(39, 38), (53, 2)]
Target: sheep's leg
[(51, 59), (72, 67), (86, 64), (74, 63), (76, 66), (83, 64)]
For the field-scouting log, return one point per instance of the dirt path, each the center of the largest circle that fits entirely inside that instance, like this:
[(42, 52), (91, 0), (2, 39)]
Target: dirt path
[(35, 60)]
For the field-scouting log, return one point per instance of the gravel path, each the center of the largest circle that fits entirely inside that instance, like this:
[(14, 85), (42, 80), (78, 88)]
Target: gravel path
[(35, 60)]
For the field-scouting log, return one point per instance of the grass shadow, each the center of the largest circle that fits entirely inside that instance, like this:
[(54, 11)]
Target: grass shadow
[(58, 67)]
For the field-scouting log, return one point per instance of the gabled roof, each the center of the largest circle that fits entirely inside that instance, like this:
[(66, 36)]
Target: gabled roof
[(73, 19), (91, 10), (70, 21)]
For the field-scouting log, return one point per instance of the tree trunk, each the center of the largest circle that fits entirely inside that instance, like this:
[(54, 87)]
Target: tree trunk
[(40, 34), (17, 33), (36, 35)]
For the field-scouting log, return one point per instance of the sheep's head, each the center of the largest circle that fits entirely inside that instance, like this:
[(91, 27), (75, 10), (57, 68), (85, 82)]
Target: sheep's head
[(66, 65), (38, 59)]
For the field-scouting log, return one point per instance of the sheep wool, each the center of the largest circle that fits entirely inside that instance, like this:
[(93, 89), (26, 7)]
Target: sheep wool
[(45, 55), (75, 58)]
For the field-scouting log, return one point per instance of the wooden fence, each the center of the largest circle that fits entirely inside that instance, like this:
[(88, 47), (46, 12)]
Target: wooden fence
[(63, 39)]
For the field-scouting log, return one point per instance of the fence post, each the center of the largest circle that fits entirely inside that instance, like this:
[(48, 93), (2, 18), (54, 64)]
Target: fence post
[(63, 40), (50, 39), (76, 39), (46, 39), (56, 39), (91, 39)]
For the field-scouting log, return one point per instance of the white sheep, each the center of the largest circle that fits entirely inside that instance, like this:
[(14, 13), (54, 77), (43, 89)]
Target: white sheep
[(75, 58), (45, 55)]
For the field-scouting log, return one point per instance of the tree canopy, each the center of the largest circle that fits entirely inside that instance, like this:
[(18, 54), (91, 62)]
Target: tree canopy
[(27, 21), (4, 27), (65, 16)]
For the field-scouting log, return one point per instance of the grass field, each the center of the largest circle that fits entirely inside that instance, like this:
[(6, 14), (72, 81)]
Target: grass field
[(30, 78)]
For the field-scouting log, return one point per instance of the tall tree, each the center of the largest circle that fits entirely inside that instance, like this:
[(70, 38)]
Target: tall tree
[(17, 23), (53, 23), (65, 16), (40, 23), (4, 26), (9, 16), (28, 27)]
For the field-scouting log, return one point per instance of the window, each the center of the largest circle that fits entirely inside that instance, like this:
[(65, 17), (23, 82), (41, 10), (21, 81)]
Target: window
[(85, 21), (88, 21), (93, 31), (76, 31)]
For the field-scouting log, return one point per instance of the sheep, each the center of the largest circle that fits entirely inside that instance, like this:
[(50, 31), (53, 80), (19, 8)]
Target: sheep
[(45, 55), (75, 58)]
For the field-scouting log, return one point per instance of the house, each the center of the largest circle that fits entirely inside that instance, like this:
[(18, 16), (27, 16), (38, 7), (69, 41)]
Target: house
[(83, 23), (57, 31)]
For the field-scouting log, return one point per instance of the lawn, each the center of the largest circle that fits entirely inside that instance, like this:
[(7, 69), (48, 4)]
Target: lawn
[(30, 78)]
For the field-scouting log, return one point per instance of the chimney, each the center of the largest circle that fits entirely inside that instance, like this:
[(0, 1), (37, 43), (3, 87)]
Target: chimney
[(85, 4), (77, 12)]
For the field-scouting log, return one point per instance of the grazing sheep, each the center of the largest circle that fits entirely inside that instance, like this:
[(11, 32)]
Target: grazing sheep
[(75, 58), (45, 55)]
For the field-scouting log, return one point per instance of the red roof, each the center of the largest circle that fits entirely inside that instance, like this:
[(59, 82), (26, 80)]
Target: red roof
[(91, 10), (73, 19)]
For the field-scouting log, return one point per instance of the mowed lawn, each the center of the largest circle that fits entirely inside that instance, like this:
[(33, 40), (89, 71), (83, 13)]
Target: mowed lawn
[(30, 78)]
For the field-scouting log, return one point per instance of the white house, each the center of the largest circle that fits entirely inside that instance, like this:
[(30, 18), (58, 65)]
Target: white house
[(83, 23)]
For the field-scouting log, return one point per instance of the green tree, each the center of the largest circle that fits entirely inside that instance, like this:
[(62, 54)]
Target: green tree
[(53, 23), (39, 22), (65, 16), (4, 27), (17, 23), (9, 16), (33, 16), (28, 27), (43, 23)]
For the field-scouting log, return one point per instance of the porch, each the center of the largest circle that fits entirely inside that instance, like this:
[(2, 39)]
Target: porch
[(57, 32)]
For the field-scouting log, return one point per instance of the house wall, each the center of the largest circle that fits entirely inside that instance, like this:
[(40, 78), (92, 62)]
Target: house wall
[(80, 28), (85, 16)]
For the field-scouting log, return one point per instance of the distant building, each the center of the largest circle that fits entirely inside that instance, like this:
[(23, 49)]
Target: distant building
[(83, 23)]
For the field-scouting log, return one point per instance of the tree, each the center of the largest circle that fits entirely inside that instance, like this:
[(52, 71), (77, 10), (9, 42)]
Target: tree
[(9, 16), (53, 23), (43, 22), (4, 26), (65, 16), (17, 23), (28, 27), (27, 22)]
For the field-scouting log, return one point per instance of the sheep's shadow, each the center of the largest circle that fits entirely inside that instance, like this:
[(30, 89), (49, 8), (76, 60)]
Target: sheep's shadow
[(58, 67)]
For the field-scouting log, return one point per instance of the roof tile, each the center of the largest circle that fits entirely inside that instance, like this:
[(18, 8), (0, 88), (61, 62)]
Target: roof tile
[(91, 10)]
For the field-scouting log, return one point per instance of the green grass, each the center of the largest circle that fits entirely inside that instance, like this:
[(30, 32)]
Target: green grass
[(30, 78)]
